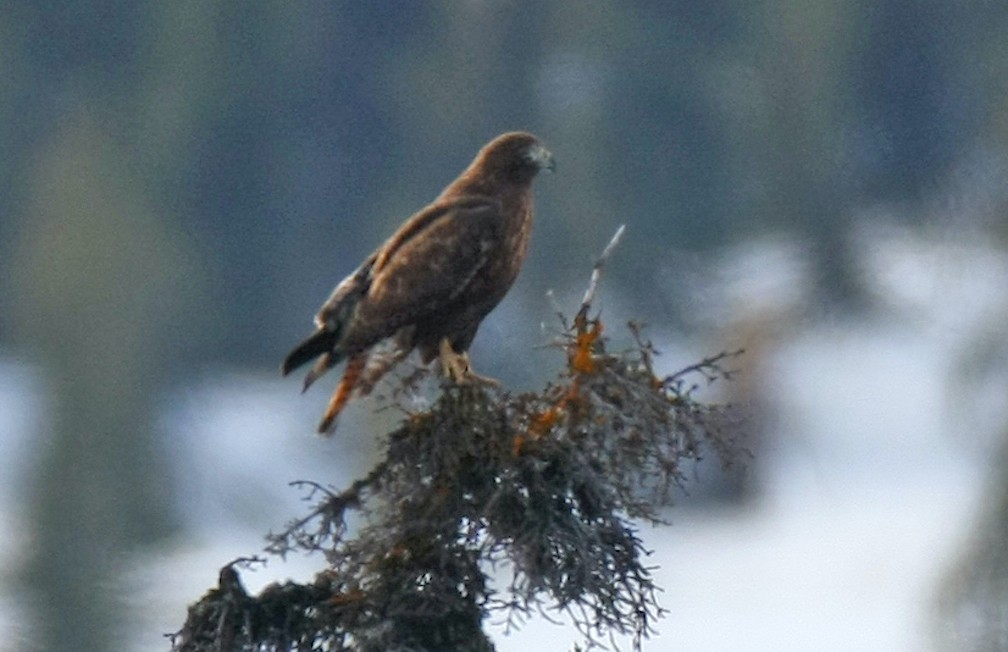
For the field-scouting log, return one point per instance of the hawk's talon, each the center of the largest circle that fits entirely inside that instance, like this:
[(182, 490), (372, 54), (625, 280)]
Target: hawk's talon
[(456, 367), (473, 377)]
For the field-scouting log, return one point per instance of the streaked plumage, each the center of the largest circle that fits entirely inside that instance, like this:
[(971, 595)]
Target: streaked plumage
[(430, 285)]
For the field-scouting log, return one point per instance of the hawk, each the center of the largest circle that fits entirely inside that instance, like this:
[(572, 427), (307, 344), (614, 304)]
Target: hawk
[(430, 285)]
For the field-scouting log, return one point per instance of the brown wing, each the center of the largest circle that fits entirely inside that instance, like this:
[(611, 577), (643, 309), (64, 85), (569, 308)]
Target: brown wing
[(329, 321), (338, 307), (425, 266)]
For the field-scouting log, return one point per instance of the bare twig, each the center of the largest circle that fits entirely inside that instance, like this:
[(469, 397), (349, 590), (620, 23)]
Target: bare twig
[(710, 368), (555, 305), (589, 295), (328, 513)]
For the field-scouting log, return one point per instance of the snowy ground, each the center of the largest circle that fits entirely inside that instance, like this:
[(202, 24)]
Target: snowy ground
[(870, 485)]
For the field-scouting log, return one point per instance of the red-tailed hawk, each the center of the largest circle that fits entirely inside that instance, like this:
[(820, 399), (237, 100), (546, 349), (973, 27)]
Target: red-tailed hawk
[(432, 283)]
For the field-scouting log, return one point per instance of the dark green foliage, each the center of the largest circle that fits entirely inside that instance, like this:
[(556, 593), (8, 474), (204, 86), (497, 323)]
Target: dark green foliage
[(544, 485)]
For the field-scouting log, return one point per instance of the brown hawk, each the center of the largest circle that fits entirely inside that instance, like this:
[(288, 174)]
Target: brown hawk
[(430, 285)]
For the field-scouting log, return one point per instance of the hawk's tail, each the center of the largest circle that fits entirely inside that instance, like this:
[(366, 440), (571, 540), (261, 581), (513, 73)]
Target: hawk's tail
[(321, 342), (341, 396)]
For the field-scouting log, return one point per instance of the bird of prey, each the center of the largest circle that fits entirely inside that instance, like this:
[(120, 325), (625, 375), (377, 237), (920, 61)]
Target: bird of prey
[(430, 285)]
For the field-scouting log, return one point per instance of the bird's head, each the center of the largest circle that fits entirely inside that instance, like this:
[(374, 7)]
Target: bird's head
[(516, 156)]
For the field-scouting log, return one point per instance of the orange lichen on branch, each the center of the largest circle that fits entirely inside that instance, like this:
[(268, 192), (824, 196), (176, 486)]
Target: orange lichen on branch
[(518, 445), (582, 353), (541, 423), (544, 421)]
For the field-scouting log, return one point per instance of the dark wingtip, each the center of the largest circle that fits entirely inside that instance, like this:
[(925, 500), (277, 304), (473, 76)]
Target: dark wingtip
[(294, 359), (320, 342), (292, 362)]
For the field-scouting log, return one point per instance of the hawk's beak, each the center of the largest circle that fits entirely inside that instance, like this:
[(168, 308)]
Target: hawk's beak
[(542, 158)]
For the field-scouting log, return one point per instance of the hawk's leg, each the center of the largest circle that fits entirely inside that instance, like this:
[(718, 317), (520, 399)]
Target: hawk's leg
[(456, 366)]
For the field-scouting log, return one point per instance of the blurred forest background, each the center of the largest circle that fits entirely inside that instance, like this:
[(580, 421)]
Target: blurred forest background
[(184, 182)]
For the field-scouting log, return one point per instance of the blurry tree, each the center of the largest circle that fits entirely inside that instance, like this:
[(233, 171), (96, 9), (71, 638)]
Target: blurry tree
[(285, 142), (806, 186), (670, 143), (916, 95), (973, 599), (100, 286)]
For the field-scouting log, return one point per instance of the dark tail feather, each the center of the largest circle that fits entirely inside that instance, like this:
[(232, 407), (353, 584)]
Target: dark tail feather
[(323, 341)]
